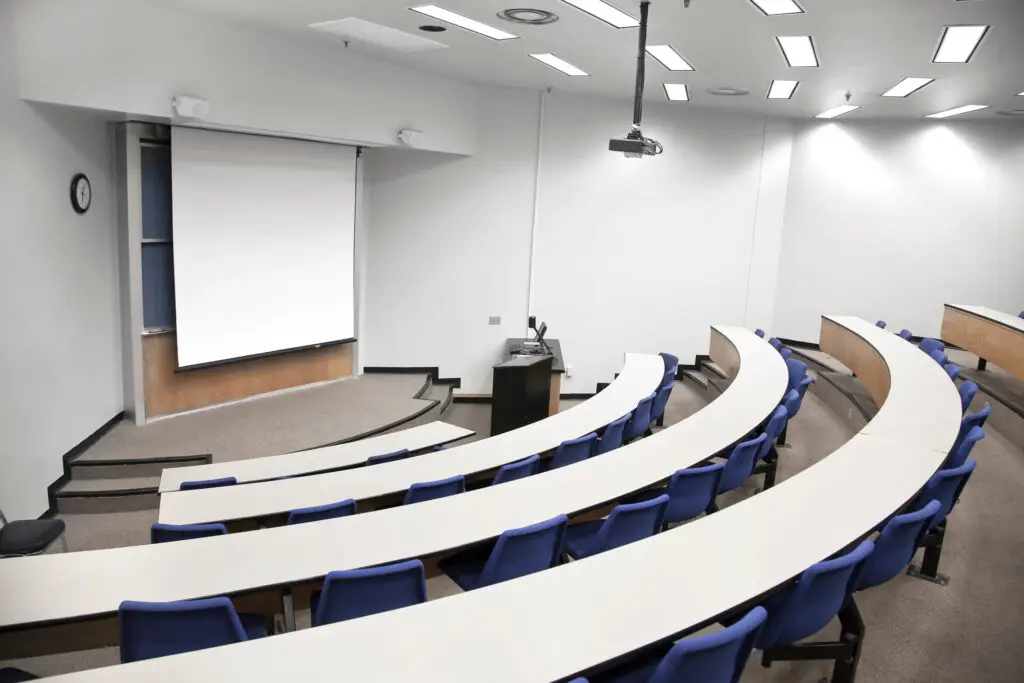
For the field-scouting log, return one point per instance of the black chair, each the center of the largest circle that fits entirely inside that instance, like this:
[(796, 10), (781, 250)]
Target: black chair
[(30, 536)]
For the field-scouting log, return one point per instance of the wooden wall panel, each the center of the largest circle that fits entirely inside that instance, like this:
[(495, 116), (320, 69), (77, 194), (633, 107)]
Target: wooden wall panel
[(168, 392), (724, 353), (986, 338), (856, 354)]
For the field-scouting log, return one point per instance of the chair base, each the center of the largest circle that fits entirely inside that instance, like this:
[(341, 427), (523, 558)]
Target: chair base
[(929, 568), (919, 573), (845, 652)]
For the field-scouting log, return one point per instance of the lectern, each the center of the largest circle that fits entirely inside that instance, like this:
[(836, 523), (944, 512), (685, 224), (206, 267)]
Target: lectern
[(521, 392)]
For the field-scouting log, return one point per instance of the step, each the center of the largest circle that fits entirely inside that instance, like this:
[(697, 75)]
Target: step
[(117, 469), (846, 397), (697, 377), (714, 368), (109, 495), (711, 386), (819, 360)]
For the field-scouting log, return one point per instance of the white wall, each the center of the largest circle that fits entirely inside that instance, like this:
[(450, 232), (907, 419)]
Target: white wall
[(449, 246), (134, 57), (892, 219), (59, 348)]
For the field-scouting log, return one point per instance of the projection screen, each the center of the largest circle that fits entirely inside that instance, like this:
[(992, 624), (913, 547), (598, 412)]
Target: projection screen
[(263, 244)]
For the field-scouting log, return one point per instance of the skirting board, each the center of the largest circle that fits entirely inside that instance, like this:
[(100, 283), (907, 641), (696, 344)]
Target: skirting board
[(84, 445)]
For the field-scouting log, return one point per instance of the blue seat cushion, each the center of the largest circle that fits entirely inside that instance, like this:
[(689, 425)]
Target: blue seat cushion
[(465, 567), (29, 536), (9, 674), (579, 538), (255, 625)]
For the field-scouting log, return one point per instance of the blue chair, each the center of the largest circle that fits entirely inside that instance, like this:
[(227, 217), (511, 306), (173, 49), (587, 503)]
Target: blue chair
[(388, 457), (785, 352), (928, 345), (971, 420), (627, 523), (802, 609), (944, 486), (905, 334), (207, 483), (320, 512), (968, 390), (430, 490), (361, 592), (958, 457), (776, 344), (797, 372), (759, 332), (939, 357), (952, 370), (774, 431), (880, 323), (573, 451), (671, 368), (157, 629), (740, 465), (611, 437), (714, 658), (1021, 314), (659, 405), (167, 533), (9, 674), (640, 421), (517, 552), (690, 492), (517, 470), (896, 545)]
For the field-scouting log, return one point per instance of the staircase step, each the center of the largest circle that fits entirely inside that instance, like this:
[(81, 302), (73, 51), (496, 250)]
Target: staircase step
[(819, 360), (697, 377), (150, 467), (109, 495), (714, 368)]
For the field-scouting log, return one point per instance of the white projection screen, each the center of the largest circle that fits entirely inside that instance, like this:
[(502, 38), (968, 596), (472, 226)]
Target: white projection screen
[(263, 244)]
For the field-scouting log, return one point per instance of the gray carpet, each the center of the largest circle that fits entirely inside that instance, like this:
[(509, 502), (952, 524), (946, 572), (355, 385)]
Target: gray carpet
[(917, 632)]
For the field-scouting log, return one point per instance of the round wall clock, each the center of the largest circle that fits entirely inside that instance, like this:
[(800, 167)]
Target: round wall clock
[(81, 193)]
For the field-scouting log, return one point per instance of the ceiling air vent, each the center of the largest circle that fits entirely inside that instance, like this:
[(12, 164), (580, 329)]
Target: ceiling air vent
[(377, 35)]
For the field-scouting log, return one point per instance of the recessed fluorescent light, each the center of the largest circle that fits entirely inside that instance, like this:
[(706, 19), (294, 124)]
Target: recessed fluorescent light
[(604, 12), (1020, 94), (907, 86), (959, 43), (559, 64), (773, 7), (442, 14), (669, 58), (966, 109), (799, 50), (782, 90), (837, 111), (677, 92)]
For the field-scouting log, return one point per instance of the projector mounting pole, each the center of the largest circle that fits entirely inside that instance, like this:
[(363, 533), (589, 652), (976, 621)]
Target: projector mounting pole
[(638, 97)]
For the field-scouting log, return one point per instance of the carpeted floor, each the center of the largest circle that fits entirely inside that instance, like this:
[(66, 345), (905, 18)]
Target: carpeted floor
[(917, 632)]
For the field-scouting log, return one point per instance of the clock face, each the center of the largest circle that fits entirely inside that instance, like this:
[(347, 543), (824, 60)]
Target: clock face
[(81, 193)]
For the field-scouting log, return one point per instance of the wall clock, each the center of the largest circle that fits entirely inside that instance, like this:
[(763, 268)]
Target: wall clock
[(81, 193)]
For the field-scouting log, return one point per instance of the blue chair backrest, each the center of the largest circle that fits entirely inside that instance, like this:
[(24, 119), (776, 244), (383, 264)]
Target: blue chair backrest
[(388, 457), (971, 420), (630, 522), (691, 491), (968, 390), (320, 512), (157, 629), (928, 345), (952, 370), (939, 357), (523, 551), (776, 344), (517, 470), (360, 592), (791, 402), (946, 486), (896, 545), (715, 658), (207, 483), (880, 323), (613, 434), (963, 451), (573, 451), (759, 332), (797, 371), (804, 385), (641, 419), (741, 463), (786, 352), (808, 606), (772, 429), (671, 367), (167, 533), (905, 334), (660, 402), (1021, 314), (429, 490)]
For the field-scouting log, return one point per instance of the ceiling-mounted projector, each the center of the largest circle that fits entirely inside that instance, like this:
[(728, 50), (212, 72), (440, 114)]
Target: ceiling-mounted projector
[(635, 145)]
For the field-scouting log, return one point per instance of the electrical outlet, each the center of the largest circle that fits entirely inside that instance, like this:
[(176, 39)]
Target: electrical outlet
[(568, 371), (494, 320)]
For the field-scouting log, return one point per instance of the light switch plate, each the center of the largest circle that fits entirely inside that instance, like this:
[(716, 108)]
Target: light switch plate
[(494, 320)]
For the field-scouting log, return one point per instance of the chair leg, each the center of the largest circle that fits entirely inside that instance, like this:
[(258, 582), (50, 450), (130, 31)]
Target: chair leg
[(929, 569), (845, 652), (781, 441), (288, 606), (661, 421), (982, 364)]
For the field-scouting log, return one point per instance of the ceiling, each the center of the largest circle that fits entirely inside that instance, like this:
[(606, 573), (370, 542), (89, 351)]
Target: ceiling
[(864, 48)]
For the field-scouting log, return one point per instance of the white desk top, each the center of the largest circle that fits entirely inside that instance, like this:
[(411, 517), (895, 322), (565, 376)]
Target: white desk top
[(316, 459), (993, 315), (39, 591), (583, 613), (639, 378)]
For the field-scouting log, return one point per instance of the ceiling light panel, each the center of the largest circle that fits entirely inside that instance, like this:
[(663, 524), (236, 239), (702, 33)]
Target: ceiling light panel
[(782, 90), (907, 86), (959, 43), (799, 50), (669, 58), (604, 12), (559, 64), (966, 109), (837, 111), (447, 16), (677, 92), (773, 7)]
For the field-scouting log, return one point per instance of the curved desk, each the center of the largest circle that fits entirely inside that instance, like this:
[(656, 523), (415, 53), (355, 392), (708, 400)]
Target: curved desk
[(317, 460), (640, 376), (992, 335), (579, 615), (64, 602)]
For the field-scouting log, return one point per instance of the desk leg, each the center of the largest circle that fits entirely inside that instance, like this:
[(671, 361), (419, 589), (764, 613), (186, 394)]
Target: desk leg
[(556, 392)]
